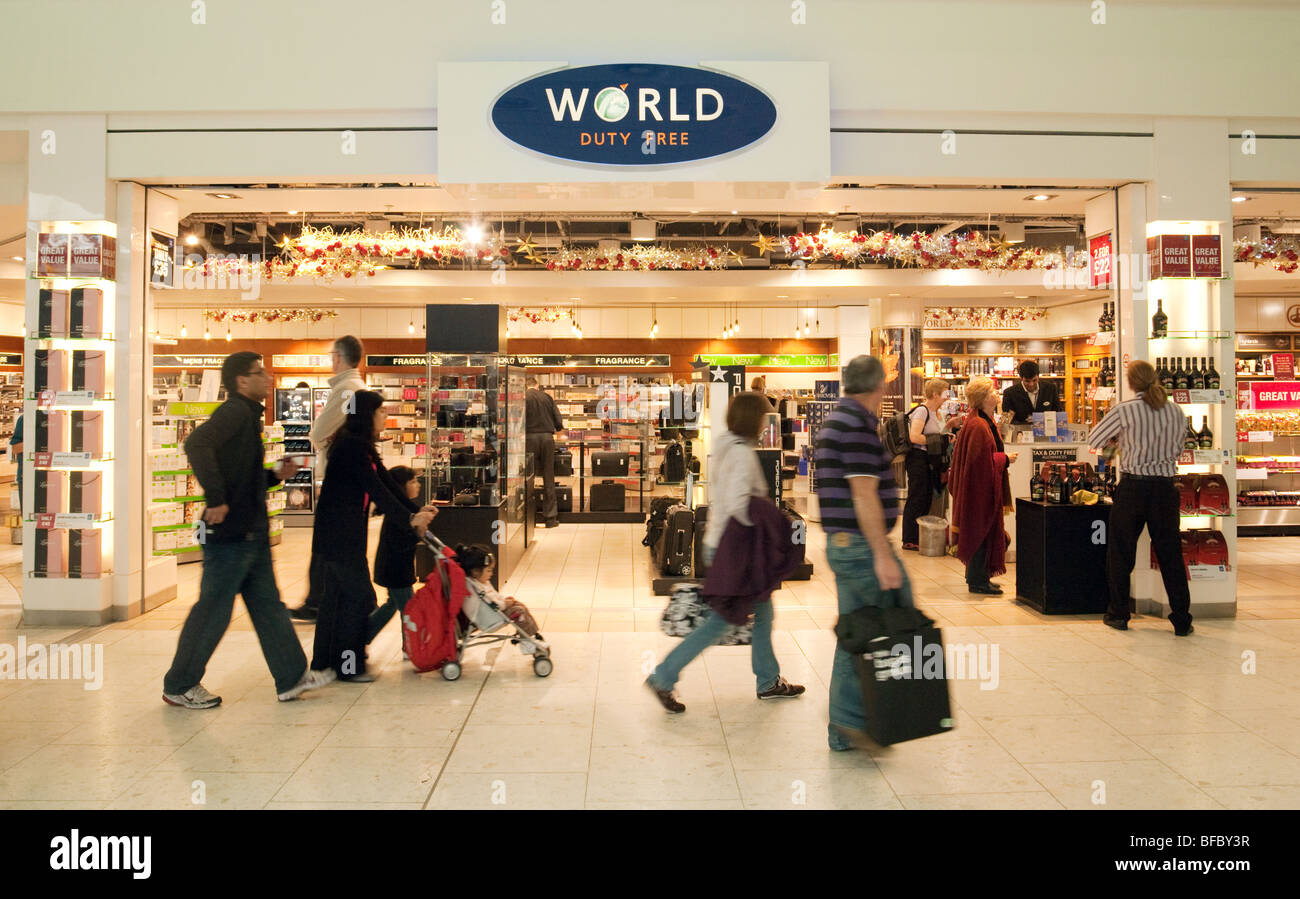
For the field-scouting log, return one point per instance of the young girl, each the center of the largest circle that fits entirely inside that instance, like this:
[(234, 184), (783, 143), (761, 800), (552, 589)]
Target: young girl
[(395, 556), (477, 562)]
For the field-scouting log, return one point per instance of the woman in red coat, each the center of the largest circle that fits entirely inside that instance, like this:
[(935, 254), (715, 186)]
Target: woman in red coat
[(980, 490)]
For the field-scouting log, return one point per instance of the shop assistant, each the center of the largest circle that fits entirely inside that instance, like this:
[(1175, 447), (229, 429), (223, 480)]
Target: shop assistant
[(1030, 395)]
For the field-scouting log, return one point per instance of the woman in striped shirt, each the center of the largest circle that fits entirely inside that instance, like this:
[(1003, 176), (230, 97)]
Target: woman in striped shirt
[(1149, 430)]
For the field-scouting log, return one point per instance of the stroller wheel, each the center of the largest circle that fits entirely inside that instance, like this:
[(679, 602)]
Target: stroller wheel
[(451, 671), (542, 666)]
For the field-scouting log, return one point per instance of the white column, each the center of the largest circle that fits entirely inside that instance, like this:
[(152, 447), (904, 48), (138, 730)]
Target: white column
[(854, 332)]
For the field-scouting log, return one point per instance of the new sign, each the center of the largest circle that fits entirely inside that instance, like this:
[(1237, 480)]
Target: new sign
[(634, 114)]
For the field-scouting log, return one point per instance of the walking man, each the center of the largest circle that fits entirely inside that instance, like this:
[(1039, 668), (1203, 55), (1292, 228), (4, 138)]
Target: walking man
[(542, 424), (345, 356), (858, 499), (226, 454)]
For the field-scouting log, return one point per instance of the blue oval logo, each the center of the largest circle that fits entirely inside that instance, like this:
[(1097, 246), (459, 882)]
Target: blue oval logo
[(634, 114)]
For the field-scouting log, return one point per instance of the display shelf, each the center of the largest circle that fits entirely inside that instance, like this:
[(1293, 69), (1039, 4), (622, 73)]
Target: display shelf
[(69, 520), (1195, 335), (69, 461)]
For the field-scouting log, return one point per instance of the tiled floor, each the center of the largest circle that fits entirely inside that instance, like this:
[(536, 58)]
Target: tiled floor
[(1080, 717)]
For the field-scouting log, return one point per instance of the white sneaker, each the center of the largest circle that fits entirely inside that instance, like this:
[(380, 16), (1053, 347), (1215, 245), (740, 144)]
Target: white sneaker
[(310, 680), (196, 697)]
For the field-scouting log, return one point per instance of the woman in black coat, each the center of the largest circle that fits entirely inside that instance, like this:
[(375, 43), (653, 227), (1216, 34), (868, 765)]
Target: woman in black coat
[(354, 478)]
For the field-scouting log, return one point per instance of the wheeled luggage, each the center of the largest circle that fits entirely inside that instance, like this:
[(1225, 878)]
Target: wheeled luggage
[(676, 544)]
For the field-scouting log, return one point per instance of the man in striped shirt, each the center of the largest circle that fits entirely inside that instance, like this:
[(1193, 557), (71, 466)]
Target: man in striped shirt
[(858, 501), (1149, 430)]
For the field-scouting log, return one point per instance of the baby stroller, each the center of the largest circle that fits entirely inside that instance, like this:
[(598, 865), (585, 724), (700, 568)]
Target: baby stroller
[(433, 642)]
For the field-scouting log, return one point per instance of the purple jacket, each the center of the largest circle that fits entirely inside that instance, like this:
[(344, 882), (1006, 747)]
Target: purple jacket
[(751, 562)]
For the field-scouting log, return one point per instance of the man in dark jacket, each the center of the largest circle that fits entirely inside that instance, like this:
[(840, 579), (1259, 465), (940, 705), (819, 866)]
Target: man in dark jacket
[(226, 454), (542, 423), (1030, 395)]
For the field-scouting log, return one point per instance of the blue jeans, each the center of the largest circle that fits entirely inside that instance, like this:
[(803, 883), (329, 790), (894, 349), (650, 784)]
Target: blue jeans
[(228, 568), (766, 670), (852, 562), (398, 597)]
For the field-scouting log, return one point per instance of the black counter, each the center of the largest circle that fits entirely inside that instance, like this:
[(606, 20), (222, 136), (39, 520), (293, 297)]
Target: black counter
[(1061, 557)]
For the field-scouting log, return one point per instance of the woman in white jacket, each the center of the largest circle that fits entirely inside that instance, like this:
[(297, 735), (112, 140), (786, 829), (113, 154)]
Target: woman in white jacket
[(735, 477)]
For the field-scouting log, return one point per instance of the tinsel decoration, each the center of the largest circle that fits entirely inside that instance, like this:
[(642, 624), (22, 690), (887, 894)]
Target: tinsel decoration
[(253, 316), (1282, 253), (981, 317)]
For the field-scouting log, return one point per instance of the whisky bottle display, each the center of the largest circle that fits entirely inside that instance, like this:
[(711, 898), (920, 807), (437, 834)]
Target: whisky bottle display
[(1036, 488), (1159, 321)]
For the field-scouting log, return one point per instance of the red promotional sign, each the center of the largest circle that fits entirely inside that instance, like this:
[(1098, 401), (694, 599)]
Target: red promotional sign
[(44, 459), (1207, 256), (94, 255), (45, 520), (52, 255), (1182, 397), (1267, 395), (1283, 366), (1099, 261), (1171, 255)]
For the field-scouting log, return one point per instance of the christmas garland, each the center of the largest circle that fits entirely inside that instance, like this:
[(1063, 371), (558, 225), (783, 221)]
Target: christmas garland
[(1283, 253), (546, 314), (253, 316), (323, 254), (981, 317)]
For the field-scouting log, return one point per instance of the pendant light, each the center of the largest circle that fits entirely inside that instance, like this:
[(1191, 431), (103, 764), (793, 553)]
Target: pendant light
[(410, 328), (654, 326), (207, 330), (228, 335), (183, 330)]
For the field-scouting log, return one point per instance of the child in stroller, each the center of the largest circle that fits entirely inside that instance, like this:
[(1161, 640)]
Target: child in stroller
[(487, 611)]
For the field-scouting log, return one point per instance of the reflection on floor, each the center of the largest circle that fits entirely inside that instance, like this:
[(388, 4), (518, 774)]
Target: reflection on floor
[(1204, 722)]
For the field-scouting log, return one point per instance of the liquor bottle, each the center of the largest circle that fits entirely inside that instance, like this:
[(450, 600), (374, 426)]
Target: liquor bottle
[(1099, 481), (1212, 379), (1196, 381), (1166, 375), (1054, 486), (1181, 377), (1205, 437), (1036, 487), (1101, 319), (1067, 489), (1160, 321), (1191, 440)]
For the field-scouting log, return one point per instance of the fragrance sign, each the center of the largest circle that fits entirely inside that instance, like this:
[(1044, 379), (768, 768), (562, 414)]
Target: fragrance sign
[(1268, 395), (1099, 261)]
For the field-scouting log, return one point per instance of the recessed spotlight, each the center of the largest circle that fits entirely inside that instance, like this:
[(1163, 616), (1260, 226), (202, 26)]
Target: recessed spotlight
[(467, 298), (293, 211), (735, 212), (18, 259), (783, 296), (895, 294), (191, 239), (223, 196), (1022, 296), (1039, 198), (1240, 198)]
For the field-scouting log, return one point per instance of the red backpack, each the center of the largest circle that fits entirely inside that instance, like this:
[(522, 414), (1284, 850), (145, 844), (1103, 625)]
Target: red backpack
[(429, 619)]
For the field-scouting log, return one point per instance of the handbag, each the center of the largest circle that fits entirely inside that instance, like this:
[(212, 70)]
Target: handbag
[(686, 611), (898, 654)]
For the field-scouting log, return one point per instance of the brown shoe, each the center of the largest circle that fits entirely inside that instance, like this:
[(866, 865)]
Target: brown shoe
[(666, 698), (781, 690)]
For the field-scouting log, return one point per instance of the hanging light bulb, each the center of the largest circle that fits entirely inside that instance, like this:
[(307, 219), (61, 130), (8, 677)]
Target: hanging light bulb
[(183, 331), (207, 333), (228, 336), (410, 328)]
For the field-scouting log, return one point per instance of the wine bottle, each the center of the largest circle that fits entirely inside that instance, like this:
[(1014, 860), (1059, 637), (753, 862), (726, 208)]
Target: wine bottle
[(1206, 437), (1191, 440), (1067, 489), (1181, 377), (1054, 486), (1036, 488), (1160, 321), (1167, 375), (1101, 319), (1196, 381), (1212, 379)]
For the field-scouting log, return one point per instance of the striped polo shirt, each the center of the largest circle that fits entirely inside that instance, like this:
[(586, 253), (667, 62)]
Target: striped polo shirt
[(1149, 439), (848, 446)]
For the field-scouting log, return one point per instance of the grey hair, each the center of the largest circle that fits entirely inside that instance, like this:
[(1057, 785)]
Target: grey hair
[(863, 374)]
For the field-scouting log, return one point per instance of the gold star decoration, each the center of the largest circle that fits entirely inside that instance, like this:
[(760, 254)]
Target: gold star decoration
[(764, 244), (526, 246)]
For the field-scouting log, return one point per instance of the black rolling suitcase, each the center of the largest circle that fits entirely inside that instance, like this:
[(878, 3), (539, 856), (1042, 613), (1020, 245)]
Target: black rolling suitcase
[(904, 693), (676, 543), (701, 520)]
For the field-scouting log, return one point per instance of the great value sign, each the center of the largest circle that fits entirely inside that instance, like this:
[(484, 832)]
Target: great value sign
[(634, 114), (627, 121), (1266, 395)]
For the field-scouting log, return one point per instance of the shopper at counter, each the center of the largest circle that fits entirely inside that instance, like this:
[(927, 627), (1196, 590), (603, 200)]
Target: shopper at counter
[(345, 358), (923, 465), (542, 424), (1030, 395), (981, 490), (1149, 430)]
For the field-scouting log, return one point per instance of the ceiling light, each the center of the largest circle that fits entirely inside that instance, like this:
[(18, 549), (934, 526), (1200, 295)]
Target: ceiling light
[(474, 233), (1021, 297), (735, 212), (410, 328), (467, 298), (228, 334), (184, 331), (783, 296), (895, 294), (293, 211), (191, 239), (207, 333), (18, 259), (642, 229), (1239, 198), (224, 196), (1039, 198)]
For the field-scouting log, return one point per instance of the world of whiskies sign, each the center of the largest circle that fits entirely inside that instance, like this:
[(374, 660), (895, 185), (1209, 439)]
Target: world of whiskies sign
[(716, 121)]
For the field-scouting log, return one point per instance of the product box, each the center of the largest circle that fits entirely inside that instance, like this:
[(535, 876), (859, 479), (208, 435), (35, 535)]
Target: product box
[(192, 512), (52, 313), (164, 540), (88, 371), (86, 312), (85, 557), (51, 551), (52, 256), (92, 256), (51, 370), (51, 432), (50, 489), (164, 488), (86, 493), (166, 515), (88, 432)]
